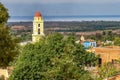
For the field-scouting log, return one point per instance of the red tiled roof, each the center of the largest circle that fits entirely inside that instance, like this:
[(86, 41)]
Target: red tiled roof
[(38, 14)]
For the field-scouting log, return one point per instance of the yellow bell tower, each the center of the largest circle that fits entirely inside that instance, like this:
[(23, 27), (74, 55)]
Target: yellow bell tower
[(38, 27)]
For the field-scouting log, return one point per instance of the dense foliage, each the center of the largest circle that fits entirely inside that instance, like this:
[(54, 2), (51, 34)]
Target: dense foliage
[(3, 14), (8, 44), (53, 58), (117, 41), (107, 70)]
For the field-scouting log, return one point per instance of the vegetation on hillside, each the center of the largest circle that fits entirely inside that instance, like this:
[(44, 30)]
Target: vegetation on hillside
[(54, 57), (106, 36), (65, 27), (74, 26)]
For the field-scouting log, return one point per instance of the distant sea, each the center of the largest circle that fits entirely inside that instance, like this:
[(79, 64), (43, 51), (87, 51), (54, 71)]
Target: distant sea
[(68, 18)]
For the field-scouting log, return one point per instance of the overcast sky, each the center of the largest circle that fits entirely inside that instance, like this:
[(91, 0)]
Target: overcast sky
[(62, 7)]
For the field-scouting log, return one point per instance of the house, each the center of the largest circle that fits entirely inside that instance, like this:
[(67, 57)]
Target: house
[(88, 44), (107, 54)]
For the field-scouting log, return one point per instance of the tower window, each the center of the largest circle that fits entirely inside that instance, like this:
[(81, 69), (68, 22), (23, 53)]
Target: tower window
[(38, 25), (38, 31)]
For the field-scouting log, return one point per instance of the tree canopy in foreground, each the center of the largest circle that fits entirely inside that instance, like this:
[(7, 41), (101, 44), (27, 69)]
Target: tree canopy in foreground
[(3, 14), (8, 44), (53, 58)]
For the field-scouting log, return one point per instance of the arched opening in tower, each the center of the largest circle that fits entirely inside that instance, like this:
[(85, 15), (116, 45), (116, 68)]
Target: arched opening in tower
[(38, 31), (38, 25)]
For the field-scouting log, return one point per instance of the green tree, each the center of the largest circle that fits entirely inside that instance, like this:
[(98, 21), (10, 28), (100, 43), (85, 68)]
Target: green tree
[(53, 58), (8, 44), (103, 33), (3, 14), (117, 41), (110, 36), (98, 36), (107, 70)]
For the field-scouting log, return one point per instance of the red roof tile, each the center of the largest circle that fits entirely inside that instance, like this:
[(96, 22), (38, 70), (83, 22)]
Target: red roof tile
[(38, 14)]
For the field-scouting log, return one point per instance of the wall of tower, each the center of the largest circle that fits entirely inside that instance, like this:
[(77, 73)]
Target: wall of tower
[(38, 28)]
